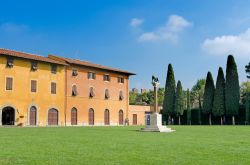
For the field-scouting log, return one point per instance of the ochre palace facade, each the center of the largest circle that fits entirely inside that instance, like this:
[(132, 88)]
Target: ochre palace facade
[(58, 91)]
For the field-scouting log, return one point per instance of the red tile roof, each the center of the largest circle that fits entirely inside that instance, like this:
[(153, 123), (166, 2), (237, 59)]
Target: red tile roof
[(88, 64), (29, 56)]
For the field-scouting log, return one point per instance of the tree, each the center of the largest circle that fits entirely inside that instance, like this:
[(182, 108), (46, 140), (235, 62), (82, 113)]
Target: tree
[(188, 108), (248, 70), (197, 95), (179, 101), (219, 96), (169, 95), (232, 89), (208, 96), (132, 98)]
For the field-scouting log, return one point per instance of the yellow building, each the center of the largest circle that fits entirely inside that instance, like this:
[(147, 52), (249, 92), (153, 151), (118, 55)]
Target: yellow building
[(32, 89)]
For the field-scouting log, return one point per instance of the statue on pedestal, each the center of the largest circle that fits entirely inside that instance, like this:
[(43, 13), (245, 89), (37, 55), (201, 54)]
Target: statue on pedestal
[(153, 121)]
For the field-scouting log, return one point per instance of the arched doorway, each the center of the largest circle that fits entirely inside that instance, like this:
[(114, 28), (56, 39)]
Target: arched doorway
[(91, 116), (8, 116), (121, 117), (106, 117), (73, 116), (33, 115), (53, 117)]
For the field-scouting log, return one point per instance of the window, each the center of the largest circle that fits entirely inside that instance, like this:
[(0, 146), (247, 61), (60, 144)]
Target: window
[(106, 77), (33, 66), (10, 62), (33, 85), (120, 80), (9, 83), (53, 69), (74, 72), (121, 97), (74, 90), (91, 75), (91, 92), (107, 94), (53, 88)]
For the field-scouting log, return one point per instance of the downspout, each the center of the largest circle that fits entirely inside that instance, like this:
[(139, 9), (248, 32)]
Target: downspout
[(65, 95)]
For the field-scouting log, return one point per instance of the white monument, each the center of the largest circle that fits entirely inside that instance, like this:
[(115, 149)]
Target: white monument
[(153, 121)]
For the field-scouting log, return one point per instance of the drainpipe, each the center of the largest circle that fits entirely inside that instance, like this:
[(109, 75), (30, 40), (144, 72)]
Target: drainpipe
[(65, 95)]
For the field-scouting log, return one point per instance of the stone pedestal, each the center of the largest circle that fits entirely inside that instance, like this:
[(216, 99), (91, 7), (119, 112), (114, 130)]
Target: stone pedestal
[(153, 123)]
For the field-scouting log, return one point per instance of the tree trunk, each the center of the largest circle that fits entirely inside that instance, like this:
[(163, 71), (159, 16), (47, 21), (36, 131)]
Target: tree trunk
[(224, 119), (233, 120), (210, 120), (172, 121), (179, 120), (221, 120)]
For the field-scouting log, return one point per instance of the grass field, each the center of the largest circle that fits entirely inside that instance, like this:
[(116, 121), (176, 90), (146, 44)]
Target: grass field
[(125, 145)]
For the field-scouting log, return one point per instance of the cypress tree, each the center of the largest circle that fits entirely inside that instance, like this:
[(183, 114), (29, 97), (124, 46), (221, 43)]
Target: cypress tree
[(248, 70), (169, 95), (208, 96), (219, 96), (179, 101), (247, 108), (232, 89), (188, 108)]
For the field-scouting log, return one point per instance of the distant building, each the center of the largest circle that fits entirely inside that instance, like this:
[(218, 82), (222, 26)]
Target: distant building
[(41, 91), (143, 90), (135, 90)]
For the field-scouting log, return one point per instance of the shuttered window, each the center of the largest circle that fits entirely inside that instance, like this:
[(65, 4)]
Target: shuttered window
[(53, 88), (10, 62), (9, 83), (120, 80), (121, 97), (91, 92), (106, 77), (33, 85), (33, 66), (107, 96), (74, 90), (53, 69), (91, 75)]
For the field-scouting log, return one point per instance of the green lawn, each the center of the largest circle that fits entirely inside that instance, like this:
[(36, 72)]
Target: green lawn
[(125, 145)]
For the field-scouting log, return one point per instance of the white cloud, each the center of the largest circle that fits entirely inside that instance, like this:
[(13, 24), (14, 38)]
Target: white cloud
[(168, 32), (136, 22), (238, 45)]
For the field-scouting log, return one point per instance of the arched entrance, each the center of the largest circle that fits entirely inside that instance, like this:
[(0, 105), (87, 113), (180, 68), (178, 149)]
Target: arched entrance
[(53, 117), (74, 116), (91, 116), (8, 116), (120, 117), (106, 117), (33, 114)]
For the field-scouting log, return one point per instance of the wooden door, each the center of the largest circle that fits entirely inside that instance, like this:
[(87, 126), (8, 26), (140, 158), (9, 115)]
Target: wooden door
[(120, 117), (73, 116), (134, 119), (53, 117), (106, 117), (33, 115), (91, 117)]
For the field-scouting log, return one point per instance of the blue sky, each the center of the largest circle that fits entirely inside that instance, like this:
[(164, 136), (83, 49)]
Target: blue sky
[(142, 36)]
